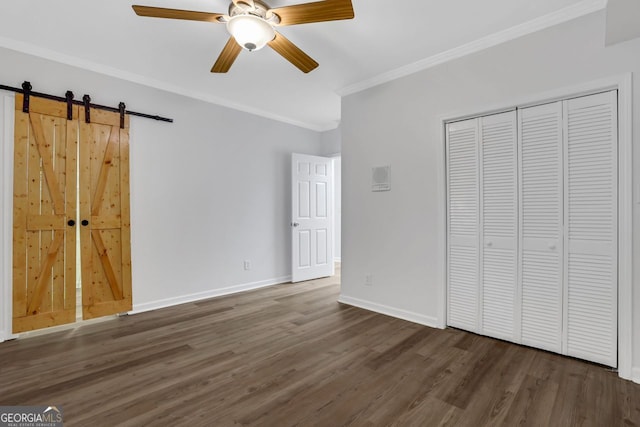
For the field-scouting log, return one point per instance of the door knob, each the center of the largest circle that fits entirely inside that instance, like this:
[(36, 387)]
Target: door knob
[(552, 246), (71, 223), (489, 244), (295, 224), (85, 222)]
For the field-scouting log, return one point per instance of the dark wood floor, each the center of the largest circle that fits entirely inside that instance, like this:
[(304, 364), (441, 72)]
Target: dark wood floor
[(291, 355)]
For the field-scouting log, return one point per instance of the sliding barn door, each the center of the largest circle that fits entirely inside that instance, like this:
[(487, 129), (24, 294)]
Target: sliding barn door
[(104, 214), (44, 207)]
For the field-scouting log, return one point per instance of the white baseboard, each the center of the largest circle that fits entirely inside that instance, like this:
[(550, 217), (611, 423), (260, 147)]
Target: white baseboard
[(168, 302), (635, 375), (390, 311)]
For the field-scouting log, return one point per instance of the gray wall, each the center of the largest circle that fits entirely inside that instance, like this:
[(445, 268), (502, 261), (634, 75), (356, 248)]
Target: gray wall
[(331, 142), (396, 237), (207, 192)]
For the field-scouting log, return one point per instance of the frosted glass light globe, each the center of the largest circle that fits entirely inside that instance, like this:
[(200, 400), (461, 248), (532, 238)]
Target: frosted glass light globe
[(251, 32)]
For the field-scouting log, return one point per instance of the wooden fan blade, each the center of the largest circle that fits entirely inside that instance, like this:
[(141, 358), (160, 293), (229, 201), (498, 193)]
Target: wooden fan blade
[(328, 10), (292, 53), (160, 12), (228, 55)]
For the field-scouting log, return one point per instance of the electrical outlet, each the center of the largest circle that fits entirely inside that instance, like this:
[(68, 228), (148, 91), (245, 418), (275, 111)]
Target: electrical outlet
[(368, 280), (247, 264)]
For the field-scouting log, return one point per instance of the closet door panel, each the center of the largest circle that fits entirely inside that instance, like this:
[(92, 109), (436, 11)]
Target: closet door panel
[(499, 213), (541, 231), (591, 218), (463, 209)]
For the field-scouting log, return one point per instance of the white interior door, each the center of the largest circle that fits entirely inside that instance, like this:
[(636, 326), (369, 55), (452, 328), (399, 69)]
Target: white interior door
[(311, 217)]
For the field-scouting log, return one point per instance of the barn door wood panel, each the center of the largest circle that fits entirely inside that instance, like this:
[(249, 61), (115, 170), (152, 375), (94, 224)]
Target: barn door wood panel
[(44, 233), (104, 212)]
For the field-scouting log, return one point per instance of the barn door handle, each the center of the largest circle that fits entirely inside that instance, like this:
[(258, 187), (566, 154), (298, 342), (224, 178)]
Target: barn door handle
[(85, 222), (71, 223)]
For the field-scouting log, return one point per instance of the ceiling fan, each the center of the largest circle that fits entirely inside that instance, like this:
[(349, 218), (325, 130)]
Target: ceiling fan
[(252, 23)]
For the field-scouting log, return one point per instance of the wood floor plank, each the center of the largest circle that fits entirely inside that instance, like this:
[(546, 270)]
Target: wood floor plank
[(290, 355)]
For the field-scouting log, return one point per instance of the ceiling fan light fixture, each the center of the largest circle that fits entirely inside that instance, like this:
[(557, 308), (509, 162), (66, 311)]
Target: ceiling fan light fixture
[(251, 32)]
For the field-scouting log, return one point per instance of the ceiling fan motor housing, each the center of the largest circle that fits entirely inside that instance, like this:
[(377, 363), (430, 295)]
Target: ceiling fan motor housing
[(259, 9)]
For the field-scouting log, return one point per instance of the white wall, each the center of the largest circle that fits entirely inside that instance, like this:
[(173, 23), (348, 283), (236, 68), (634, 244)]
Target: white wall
[(207, 192), (6, 170), (396, 237), (331, 142)]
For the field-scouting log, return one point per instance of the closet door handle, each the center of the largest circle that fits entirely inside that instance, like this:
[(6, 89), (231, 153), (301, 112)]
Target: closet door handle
[(85, 222), (71, 223)]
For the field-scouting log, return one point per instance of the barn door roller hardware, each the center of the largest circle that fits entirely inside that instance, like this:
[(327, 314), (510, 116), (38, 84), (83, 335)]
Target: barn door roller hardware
[(69, 96), (86, 101), (27, 91)]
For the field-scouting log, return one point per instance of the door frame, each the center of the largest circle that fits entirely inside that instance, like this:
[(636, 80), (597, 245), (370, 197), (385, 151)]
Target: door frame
[(7, 116), (333, 157), (623, 83)]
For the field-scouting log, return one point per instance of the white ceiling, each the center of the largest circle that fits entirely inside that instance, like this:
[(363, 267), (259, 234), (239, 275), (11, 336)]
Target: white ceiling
[(177, 55)]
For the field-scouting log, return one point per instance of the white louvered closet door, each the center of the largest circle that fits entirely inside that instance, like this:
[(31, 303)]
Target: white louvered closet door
[(462, 260), (499, 220), (591, 220), (541, 219)]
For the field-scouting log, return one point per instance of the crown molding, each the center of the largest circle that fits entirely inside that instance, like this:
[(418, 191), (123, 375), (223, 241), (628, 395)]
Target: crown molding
[(577, 10), (52, 55)]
